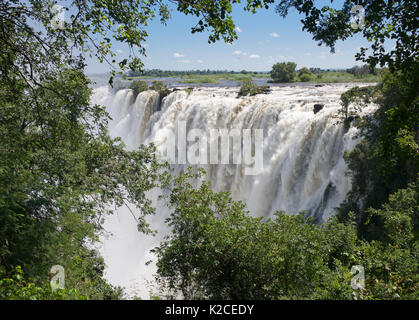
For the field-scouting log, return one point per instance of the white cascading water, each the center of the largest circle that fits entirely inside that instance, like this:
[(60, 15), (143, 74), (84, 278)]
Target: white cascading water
[(303, 165)]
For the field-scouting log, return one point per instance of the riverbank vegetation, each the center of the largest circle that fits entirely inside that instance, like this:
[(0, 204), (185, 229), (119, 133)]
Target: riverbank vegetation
[(315, 75)]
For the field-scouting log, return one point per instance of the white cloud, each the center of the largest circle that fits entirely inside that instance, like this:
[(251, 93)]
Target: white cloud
[(178, 55), (274, 34), (119, 51), (254, 56), (184, 61), (237, 52), (200, 61), (238, 29)]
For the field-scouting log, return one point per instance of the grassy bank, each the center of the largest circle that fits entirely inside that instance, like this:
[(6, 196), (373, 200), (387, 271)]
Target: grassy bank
[(216, 78), (324, 77), (343, 76)]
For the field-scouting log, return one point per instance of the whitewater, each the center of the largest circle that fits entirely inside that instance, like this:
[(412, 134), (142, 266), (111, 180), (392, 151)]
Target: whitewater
[(303, 165)]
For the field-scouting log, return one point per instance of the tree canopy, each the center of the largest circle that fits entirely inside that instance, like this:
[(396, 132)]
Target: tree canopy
[(218, 251), (391, 27), (283, 72)]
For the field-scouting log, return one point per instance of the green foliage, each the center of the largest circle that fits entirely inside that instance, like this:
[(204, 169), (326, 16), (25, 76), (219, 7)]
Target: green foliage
[(387, 158), (60, 172), (304, 74), (217, 251), (188, 90), (138, 86), (394, 257), (215, 15), (159, 86), (305, 77), (355, 97), (283, 72), (343, 76), (329, 24), (248, 88), (16, 287), (200, 79), (399, 218), (361, 71)]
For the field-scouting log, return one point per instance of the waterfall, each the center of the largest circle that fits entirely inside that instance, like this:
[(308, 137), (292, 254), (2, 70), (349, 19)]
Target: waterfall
[(303, 166)]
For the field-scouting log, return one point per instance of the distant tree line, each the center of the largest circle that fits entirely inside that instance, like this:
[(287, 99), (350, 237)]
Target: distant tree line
[(158, 73), (170, 73)]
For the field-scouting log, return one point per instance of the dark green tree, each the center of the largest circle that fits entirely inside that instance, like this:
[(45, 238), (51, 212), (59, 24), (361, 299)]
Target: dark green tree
[(138, 86), (304, 74), (283, 72), (384, 22)]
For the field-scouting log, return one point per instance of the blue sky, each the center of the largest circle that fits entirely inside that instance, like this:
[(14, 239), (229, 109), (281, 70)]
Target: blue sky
[(264, 39)]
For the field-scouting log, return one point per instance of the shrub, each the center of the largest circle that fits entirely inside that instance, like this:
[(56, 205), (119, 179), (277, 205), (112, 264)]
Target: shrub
[(305, 77), (161, 88), (304, 74), (16, 287), (158, 86), (138, 86), (249, 88)]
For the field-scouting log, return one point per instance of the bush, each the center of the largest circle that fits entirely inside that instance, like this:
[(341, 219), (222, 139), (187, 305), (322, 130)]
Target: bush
[(161, 88), (361, 71), (304, 74), (249, 88), (138, 86), (283, 72), (387, 158), (158, 86), (305, 77), (16, 287)]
